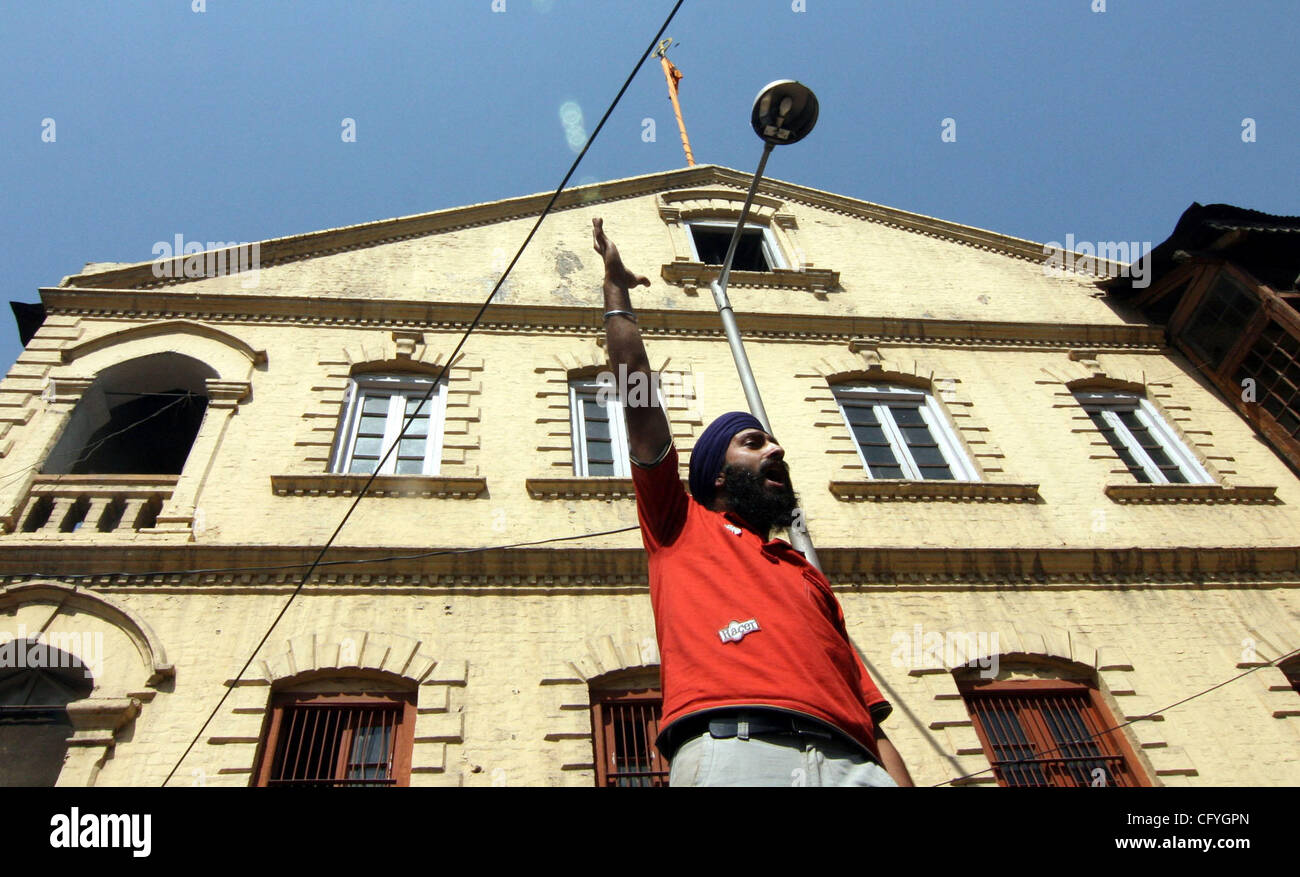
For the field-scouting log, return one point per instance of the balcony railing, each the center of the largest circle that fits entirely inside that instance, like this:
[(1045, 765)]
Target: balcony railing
[(89, 504)]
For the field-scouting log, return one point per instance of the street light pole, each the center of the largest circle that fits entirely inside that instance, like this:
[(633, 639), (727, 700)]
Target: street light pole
[(784, 112)]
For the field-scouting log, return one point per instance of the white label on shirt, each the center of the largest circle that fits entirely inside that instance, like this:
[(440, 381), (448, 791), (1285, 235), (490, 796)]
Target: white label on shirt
[(733, 528), (736, 630)]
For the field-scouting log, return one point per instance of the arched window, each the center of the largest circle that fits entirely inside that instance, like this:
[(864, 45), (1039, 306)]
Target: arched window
[(901, 433), (37, 682), (625, 713), (377, 409), (1139, 435), (1039, 730), (598, 430), (333, 732), (139, 417)]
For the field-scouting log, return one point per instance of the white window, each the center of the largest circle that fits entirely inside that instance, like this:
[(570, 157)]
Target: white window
[(756, 251), (1146, 444), (901, 433), (599, 433), (378, 407)]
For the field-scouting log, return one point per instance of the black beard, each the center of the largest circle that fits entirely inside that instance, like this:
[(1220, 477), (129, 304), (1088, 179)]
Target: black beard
[(761, 506)]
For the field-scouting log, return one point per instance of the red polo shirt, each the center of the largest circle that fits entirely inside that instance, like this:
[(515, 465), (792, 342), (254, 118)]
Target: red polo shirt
[(744, 622)]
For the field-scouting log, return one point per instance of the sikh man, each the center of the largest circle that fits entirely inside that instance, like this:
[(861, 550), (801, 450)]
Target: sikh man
[(761, 684)]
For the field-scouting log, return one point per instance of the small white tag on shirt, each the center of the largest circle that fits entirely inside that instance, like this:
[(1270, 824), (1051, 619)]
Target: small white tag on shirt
[(736, 630), (733, 528)]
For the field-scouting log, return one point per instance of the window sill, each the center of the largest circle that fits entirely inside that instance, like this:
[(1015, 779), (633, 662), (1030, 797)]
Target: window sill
[(693, 275), (581, 487), (892, 490), (337, 484), (1192, 493)]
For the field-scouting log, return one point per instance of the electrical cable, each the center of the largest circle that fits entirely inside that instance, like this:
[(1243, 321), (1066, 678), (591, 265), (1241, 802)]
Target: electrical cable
[(1093, 737), (451, 358)]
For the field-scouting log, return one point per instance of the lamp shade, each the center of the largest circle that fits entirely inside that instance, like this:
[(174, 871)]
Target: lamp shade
[(785, 111)]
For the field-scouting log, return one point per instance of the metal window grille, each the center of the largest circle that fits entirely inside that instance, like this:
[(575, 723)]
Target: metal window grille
[(338, 744), (625, 726), (1050, 737)]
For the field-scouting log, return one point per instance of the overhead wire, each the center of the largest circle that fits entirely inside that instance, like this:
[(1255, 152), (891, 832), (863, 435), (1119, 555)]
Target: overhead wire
[(412, 416)]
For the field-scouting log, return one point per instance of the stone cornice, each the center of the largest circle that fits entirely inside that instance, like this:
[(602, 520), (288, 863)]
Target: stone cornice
[(884, 490), (327, 241), (694, 275), (333, 484), (573, 566), (1193, 493), (574, 487), (456, 316)]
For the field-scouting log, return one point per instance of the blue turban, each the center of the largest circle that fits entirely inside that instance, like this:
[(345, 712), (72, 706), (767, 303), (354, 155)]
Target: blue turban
[(711, 452)]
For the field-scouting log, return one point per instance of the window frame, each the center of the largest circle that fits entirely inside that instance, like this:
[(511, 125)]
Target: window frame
[(1027, 694), (604, 704), (771, 248), (403, 734), (943, 434), (1107, 403), (617, 425), (398, 386)]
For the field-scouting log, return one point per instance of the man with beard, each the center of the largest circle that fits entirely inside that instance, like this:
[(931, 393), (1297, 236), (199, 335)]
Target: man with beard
[(761, 684)]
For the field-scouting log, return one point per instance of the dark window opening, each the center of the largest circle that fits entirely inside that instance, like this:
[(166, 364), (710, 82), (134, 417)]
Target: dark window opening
[(34, 723), (145, 435), (1220, 320), (139, 417), (751, 252)]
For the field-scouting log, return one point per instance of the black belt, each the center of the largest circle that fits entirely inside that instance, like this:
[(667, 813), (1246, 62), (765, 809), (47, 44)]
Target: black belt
[(756, 723)]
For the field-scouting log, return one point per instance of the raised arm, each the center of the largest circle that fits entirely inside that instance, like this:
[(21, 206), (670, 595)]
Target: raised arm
[(647, 427)]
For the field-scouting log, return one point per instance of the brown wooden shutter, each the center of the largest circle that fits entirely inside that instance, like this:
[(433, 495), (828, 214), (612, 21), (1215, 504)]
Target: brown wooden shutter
[(1049, 733)]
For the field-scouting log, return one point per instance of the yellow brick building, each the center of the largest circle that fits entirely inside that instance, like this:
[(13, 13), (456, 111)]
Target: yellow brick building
[(1036, 576)]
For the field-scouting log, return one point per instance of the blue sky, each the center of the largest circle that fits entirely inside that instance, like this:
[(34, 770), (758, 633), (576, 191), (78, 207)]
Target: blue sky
[(225, 124)]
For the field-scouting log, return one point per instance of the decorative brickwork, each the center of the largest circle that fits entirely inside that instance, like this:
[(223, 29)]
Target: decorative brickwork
[(556, 451), (394, 351), (567, 688), (335, 662), (1023, 651)]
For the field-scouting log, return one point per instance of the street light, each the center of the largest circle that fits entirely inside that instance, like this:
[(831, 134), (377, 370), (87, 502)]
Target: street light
[(785, 112)]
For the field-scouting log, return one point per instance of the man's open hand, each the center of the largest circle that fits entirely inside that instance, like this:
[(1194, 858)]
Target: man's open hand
[(615, 272)]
